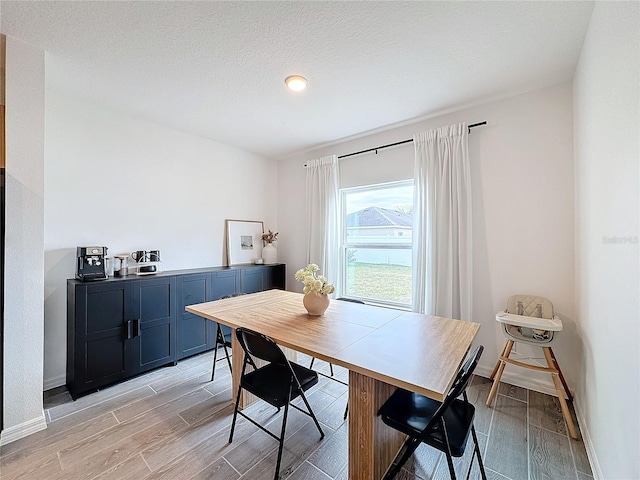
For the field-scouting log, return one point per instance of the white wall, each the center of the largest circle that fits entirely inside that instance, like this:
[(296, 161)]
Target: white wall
[(128, 184), (607, 139), (523, 232), (23, 314)]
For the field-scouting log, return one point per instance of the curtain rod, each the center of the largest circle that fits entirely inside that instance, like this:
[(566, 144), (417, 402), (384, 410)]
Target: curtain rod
[(375, 149)]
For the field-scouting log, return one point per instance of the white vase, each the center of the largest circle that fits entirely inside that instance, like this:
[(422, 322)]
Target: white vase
[(270, 254), (315, 303)]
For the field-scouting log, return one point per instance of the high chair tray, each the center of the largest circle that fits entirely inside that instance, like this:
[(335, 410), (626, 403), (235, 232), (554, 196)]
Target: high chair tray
[(550, 324)]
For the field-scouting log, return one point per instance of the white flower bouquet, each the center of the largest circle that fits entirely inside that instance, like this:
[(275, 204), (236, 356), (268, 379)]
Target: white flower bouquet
[(314, 283)]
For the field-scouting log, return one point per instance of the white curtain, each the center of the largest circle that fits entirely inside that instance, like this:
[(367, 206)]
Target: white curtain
[(322, 202), (442, 223)]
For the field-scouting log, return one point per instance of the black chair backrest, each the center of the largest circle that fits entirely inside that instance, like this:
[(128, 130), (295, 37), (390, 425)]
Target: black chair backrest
[(352, 300), (463, 376), (459, 386), (232, 295), (260, 346)]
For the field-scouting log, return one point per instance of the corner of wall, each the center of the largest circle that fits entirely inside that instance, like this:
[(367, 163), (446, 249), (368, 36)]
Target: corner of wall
[(588, 442), (22, 430), (606, 119), (24, 204)]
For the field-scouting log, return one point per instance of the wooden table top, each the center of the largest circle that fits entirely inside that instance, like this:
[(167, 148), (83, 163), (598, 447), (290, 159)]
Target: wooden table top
[(421, 353)]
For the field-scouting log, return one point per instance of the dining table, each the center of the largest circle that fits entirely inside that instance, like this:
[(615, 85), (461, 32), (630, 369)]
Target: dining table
[(382, 348)]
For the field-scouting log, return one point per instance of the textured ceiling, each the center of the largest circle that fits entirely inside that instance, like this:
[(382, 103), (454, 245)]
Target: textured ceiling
[(216, 69)]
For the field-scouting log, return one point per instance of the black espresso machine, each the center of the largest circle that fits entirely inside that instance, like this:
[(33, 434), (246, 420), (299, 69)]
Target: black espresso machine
[(90, 265)]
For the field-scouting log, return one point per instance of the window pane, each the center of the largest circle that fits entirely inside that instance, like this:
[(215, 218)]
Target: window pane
[(379, 215), (378, 274), (377, 222)]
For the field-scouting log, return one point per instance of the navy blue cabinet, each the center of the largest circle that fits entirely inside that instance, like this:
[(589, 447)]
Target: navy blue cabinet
[(155, 322), (273, 277), (192, 329), (225, 282), (267, 277), (252, 280), (117, 329), (222, 283), (121, 327), (99, 333), (197, 334)]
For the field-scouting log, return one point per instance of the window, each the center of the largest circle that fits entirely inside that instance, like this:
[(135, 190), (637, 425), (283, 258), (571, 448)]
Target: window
[(376, 243)]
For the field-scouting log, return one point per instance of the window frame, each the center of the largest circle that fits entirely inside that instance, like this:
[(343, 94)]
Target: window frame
[(345, 245)]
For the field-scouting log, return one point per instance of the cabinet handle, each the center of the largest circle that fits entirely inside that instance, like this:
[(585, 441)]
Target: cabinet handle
[(128, 329), (136, 328)]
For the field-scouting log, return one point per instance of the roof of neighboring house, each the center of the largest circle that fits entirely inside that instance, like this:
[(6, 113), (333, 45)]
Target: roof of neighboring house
[(379, 217)]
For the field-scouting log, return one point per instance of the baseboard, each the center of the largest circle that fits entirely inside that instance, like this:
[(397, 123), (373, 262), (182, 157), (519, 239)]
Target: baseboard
[(25, 429), (54, 382), (588, 444), (520, 380)]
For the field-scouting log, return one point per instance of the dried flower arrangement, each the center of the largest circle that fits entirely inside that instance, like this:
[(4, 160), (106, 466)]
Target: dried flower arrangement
[(269, 237)]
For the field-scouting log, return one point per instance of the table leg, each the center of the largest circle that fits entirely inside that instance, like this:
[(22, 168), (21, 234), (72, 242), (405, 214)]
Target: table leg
[(372, 444), (237, 359)]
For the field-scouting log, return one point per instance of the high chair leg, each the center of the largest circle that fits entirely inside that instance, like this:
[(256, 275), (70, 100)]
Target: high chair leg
[(560, 390), (496, 381), (564, 382), (495, 369)]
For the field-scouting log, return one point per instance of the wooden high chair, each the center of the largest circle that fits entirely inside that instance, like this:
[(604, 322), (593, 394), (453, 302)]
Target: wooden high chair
[(530, 319)]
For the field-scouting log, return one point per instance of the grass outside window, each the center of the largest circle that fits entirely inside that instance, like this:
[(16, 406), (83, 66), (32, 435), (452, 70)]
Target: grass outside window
[(385, 283)]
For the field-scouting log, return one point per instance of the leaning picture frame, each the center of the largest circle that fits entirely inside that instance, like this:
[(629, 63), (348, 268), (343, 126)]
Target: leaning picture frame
[(244, 241)]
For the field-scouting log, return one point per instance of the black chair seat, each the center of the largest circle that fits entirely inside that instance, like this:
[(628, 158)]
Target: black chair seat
[(410, 413), (444, 425), (277, 383), (272, 382)]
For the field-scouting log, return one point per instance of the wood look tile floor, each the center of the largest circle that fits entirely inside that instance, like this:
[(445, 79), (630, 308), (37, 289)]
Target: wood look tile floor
[(173, 423)]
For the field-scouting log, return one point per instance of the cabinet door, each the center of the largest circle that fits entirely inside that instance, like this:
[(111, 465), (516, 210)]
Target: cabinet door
[(103, 353), (222, 283), (155, 325), (252, 280), (192, 329)]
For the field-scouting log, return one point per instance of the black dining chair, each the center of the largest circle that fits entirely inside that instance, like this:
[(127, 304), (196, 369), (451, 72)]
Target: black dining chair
[(443, 425), (223, 339), (313, 359), (278, 383)]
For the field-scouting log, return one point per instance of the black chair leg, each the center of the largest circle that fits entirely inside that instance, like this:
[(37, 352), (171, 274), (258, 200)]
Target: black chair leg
[(346, 411), (313, 359), (235, 414), (408, 447), (282, 433), (313, 415), (219, 341), (477, 450), (452, 470), (331, 369), (215, 358), (226, 352)]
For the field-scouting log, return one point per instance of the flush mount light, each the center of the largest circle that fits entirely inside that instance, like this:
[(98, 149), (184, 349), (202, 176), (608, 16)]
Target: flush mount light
[(296, 83)]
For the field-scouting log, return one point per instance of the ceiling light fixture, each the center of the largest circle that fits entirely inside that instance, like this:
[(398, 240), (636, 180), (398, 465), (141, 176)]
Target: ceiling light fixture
[(296, 82)]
